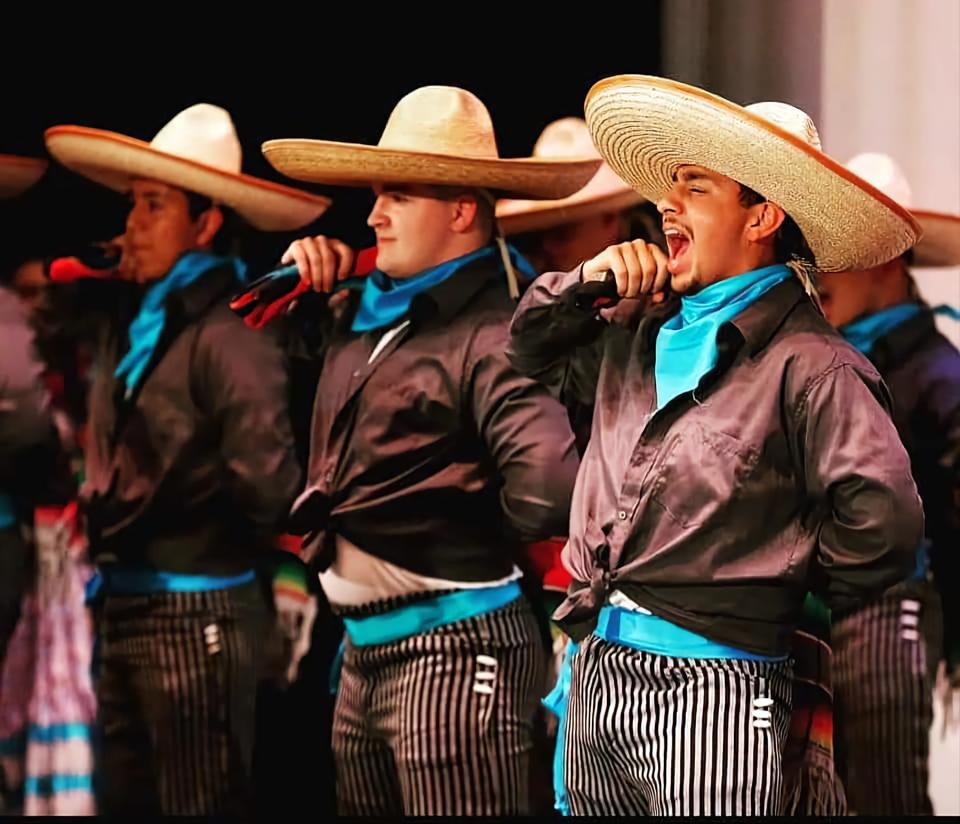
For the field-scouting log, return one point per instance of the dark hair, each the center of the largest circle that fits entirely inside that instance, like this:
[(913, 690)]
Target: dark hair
[(789, 242), (231, 237)]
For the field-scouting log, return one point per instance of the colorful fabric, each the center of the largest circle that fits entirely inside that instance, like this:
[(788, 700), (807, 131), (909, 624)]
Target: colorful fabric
[(47, 704), (810, 781)]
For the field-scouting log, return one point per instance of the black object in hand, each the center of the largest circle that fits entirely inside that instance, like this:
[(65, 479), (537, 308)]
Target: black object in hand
[(597, 294)]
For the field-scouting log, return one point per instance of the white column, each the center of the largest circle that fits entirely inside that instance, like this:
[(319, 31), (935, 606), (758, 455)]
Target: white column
[(746, 50), (891, 83)]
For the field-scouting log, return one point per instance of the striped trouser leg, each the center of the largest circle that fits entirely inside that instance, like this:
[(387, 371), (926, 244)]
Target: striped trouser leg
[(177, 700), (884, 664), (366, 773), (453, 708), (651, 734)]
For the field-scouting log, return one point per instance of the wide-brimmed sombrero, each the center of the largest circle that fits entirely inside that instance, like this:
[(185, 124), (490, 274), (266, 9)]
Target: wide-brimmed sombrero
[(647, 127), (438, 135), (198, 150)]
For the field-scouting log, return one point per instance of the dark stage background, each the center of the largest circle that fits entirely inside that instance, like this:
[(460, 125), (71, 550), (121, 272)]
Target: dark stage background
[(304, 90)]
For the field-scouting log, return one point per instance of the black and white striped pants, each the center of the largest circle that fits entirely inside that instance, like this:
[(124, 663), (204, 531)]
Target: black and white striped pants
[(885, 658), (176, 693), (441, 723), (655, 735)]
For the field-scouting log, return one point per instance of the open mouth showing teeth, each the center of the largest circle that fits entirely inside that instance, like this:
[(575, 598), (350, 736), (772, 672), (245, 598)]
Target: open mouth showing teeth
[(677, 243)]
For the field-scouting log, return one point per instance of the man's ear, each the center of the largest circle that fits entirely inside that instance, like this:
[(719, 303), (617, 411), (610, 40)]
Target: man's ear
[(763, 221), (208, 224)]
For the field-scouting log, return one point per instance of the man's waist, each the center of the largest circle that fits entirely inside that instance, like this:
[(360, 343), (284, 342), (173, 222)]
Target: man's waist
[(435, 547), (205, 548), (120, 579), (396, 508), (164, 519), (757, 618), (623, 621), (431, 613), (359, 578)]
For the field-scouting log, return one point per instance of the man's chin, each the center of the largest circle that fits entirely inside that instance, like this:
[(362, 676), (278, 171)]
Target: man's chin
[(683, 283)]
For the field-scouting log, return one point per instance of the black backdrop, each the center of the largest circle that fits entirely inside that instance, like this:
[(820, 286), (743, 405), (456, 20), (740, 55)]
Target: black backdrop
[(273, 90)]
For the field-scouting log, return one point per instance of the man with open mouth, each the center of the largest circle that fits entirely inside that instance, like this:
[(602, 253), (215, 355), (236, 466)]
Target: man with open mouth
[(742, 452)]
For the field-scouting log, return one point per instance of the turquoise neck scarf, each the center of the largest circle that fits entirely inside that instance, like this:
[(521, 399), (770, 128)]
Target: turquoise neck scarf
[(147, 326), (865, 331), (687, 342), (385, 299)]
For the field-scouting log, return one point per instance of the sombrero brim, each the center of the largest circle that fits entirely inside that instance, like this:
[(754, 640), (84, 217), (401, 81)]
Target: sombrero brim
[(647, 127), (353, 164), (17, 174), (113, 160), (940, 244)]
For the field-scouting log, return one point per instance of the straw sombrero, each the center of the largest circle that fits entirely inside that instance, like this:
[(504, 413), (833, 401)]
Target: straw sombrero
[(437, 135), (604, 192), (17, 174), (940, 244), (647, 127), (198, 151)]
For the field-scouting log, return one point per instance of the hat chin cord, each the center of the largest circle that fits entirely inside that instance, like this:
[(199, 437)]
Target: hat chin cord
[(513, 285), (805, 274)]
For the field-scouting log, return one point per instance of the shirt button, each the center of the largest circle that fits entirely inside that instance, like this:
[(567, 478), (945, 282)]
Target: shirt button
[(356, 373), (622, 515)]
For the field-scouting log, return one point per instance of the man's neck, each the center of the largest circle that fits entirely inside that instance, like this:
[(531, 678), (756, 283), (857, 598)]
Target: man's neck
[(456, 250)]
